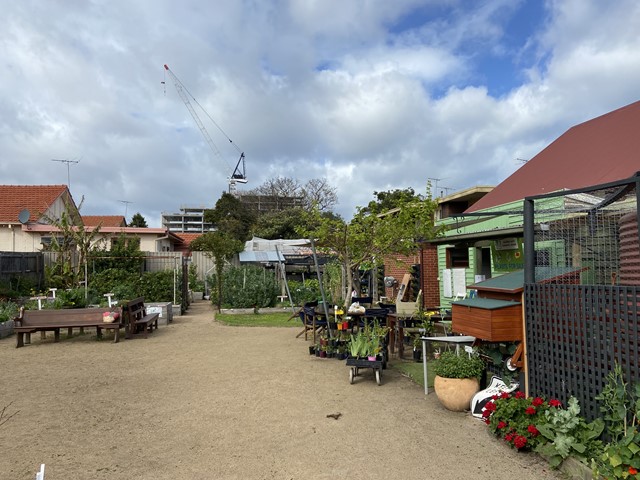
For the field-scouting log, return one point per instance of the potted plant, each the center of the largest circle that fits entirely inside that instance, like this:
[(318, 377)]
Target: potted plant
[(8, 311), (417, 348), (457, 379)]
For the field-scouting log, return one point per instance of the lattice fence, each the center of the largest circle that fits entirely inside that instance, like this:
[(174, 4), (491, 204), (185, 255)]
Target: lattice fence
[(582, 289)]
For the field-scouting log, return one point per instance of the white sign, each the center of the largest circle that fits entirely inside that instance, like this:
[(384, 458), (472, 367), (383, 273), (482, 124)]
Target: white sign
[(157, 310)]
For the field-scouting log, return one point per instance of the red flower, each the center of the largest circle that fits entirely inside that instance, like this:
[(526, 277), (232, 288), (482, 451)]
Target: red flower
[(508, 437), (504, 395), (520, 441), (537, 402), (633, 471), (486, 413), (530, 411), (490, 406), (555, 403), (487, 421), (501, 425), (533, 430), (520, 394)]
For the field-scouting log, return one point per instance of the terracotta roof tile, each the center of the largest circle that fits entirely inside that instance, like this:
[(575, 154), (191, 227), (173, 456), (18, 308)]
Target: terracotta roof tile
[(187, 238), (35, 198), (103, 220), (601, 150)]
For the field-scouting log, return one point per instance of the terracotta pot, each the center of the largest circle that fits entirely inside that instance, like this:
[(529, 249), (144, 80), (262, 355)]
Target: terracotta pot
[(456, 394)]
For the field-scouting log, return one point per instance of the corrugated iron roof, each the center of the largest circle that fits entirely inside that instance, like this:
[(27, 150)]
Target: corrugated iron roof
[(601, 150), (35, 198)]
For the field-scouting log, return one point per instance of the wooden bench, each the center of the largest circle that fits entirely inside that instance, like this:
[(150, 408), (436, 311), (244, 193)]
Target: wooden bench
[(31, 321), (137, 321)]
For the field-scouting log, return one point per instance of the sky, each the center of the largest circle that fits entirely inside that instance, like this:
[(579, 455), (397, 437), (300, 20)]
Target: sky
[(373, 95)]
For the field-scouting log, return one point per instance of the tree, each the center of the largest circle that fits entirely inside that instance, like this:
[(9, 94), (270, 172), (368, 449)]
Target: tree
[(231, 217), (71, 238), (318, 193), (363, 242), (277, 225), (284, 193), (138, 221), (220, 247)]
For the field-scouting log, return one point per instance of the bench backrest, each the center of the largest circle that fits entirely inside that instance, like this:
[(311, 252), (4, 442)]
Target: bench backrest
[(135, 308), (65, 316)]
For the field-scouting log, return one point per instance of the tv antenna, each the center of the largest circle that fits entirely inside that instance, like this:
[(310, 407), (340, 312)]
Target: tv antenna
[(68, 162), (435, 185), (126, 206)]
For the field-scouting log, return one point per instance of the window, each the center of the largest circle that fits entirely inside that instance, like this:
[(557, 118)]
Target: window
[(458, 257)]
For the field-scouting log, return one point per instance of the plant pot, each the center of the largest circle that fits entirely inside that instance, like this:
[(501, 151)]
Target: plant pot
[(312, 350), (371, 358), (323, 354), (455, 394), (417, 355)]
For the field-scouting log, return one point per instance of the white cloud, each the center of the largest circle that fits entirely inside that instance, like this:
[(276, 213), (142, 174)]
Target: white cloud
[(371, 95)]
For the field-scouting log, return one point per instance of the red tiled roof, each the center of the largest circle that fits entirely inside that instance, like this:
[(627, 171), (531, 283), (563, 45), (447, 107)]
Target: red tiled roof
[(103, 220), (187, 238), (35, 198), (601, 150)]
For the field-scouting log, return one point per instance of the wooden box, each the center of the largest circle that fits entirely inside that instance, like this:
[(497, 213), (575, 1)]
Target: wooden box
[(488, 319)]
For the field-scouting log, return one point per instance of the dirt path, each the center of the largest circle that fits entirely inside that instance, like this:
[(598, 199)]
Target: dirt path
[(198, 400)]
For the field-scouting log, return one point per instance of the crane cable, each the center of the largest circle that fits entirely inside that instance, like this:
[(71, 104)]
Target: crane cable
[(205, 112)]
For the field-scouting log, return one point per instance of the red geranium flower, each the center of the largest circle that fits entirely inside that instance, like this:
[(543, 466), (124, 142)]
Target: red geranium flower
[(487, 421), (490, 406), (501, 425), (520, 394), (537, 402), (504, 395), (508, 437), (633, 471), (555, 403), (530, 411), (486, 413), (533, 430), (520, 441)]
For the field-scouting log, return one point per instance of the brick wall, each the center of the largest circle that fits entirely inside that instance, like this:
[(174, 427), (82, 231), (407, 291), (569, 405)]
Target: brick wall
[(398, 265)]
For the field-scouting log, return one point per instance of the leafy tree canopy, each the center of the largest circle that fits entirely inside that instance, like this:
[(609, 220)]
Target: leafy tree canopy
[(138, 221), (231, 217)]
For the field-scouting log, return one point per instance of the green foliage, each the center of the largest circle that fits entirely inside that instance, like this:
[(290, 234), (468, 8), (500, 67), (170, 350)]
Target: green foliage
[(138, 221), (368, 342), (17, 286), (195, 284), (158, 287), (565, 433), (515, 418), (307, 291), (124, 255), (8, 311), (220, 247), (231, 217), (247, 287), (620, 407), (279, 224), (70, 298), (450, 365)]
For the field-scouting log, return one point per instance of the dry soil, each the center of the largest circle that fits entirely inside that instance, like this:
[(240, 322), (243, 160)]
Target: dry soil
[(200, 400)]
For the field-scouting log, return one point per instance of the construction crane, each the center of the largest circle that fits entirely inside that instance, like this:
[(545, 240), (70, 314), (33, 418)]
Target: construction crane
[(237, 175)]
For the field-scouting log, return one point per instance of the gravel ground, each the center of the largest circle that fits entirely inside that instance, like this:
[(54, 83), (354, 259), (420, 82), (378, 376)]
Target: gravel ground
[(199, 400)]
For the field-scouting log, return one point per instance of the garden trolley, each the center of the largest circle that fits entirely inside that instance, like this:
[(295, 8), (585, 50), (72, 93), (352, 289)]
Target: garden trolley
[(355, 364)]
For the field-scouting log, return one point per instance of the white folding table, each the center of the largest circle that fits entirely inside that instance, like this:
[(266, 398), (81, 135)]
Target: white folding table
[(455, 339)]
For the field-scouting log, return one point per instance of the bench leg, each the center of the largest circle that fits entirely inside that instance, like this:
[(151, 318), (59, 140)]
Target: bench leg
[(27, 338), (99, 333), (56, 335), (43, 335), (116, 335), (69, 332), (20, 339)]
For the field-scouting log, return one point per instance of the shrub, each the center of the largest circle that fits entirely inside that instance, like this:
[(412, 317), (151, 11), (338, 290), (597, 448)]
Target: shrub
[(514, 418), (8, 311), (247, 287), (450, 365)]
